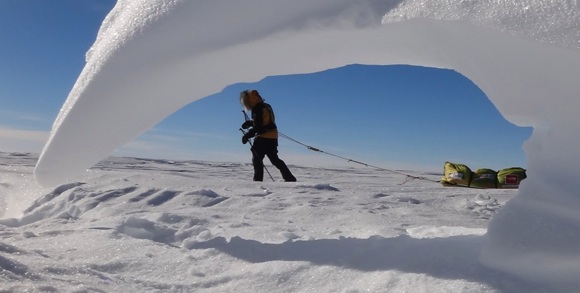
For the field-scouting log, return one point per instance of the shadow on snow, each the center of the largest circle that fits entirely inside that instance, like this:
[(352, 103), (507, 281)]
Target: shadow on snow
[(453, 258)]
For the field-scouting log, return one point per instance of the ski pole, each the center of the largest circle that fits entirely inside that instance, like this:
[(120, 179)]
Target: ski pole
[(246, 118)]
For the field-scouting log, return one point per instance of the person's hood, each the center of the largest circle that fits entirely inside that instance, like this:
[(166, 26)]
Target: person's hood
[(250, 98)]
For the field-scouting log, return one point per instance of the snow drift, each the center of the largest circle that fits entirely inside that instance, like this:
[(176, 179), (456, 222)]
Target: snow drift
[(143, 225), (153, 57)]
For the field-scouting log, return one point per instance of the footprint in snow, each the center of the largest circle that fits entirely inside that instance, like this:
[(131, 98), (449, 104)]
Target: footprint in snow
[(409, 200), (320, 187)]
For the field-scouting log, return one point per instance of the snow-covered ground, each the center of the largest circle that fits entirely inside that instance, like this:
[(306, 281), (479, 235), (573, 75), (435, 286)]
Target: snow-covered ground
[(134, 225)]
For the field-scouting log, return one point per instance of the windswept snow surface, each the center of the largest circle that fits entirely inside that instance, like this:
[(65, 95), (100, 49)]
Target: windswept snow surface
[(152, 57), (132, 225)]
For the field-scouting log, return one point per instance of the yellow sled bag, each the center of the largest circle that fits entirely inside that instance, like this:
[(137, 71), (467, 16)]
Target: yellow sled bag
[(456, 174)]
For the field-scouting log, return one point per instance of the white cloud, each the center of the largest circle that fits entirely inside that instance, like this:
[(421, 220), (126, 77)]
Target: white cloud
[(177, 145), (20, 140), (23, 116)]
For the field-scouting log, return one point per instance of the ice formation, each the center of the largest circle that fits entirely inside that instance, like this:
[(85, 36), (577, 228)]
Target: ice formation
[(152, 57)]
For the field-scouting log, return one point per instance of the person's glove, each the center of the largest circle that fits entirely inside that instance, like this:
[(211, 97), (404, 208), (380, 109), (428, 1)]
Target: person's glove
[(247, 124), (247, 137)]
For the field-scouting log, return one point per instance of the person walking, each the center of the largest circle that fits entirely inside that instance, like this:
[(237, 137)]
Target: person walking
[(262, 127)]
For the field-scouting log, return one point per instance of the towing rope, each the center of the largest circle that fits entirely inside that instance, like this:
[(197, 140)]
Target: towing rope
[(408, 177)]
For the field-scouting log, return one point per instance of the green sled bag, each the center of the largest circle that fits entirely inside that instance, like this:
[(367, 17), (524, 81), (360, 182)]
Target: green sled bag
[(484, 178), (510, 177)]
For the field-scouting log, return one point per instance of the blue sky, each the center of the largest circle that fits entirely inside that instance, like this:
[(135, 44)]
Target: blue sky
[(388, 116)]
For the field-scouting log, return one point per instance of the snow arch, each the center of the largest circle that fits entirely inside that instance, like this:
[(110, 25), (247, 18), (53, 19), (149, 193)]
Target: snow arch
[(153, 57)]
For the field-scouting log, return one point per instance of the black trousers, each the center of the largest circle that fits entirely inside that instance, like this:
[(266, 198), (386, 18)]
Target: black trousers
[(268, 147)]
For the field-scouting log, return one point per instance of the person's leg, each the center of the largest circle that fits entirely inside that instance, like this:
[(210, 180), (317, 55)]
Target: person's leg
[(272, 153), (258, 154)]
